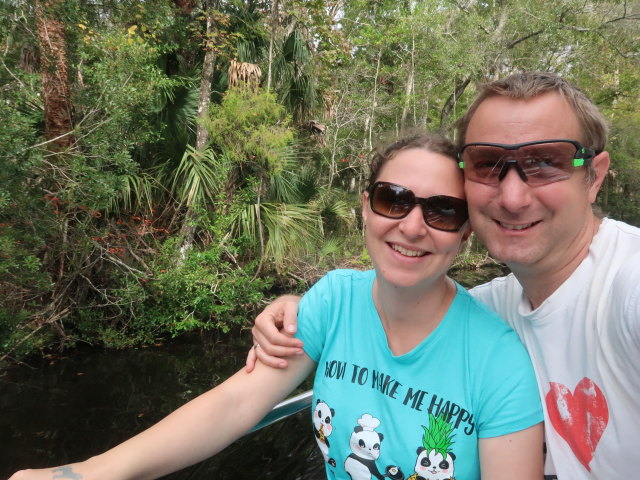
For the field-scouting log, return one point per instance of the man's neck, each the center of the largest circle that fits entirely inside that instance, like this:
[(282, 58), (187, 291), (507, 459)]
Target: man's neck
[(539, 282)]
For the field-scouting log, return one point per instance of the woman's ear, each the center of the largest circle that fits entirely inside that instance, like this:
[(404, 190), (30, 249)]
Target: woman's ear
[(467, 233), (365, 210)]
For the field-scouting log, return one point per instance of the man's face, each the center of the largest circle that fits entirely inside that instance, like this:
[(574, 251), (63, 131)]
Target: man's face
[(530, 228)]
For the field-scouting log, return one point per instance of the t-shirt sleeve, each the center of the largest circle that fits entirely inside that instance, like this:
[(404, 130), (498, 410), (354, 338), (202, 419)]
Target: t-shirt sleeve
[(510, 400), (313, 317)]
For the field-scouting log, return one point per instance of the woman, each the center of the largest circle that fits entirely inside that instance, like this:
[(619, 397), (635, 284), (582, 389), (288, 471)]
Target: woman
[(414, 378)]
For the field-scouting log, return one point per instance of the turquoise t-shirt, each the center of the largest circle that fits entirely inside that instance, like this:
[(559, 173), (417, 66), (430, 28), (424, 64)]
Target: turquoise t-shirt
[(378, 415)]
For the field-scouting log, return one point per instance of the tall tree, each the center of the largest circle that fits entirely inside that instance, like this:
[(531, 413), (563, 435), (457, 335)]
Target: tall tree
[(187, 231), (53, 67)]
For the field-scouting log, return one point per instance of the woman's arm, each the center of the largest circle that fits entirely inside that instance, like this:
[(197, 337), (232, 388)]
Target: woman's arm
[(273, 332), (195, 431), (515, 455)]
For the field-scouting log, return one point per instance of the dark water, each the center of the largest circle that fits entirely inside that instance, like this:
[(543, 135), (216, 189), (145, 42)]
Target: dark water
[(77, 406)]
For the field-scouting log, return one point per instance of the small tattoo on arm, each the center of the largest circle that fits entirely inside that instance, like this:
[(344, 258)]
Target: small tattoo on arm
[(66, 472)]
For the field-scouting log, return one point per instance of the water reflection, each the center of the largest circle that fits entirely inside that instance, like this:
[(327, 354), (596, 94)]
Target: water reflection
[(91, 400)]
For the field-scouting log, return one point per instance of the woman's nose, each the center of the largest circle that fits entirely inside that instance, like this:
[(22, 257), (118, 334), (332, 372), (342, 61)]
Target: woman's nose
[(413, 225)]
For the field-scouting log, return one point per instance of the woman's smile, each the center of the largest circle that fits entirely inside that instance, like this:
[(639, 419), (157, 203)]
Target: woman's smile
[(406, 251)]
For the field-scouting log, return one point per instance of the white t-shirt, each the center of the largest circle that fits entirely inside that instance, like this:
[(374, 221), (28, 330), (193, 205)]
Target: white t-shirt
[(584, 341)]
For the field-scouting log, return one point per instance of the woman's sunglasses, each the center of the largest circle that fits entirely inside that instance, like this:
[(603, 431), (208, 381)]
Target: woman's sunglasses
[(537, 163), (439, 211)]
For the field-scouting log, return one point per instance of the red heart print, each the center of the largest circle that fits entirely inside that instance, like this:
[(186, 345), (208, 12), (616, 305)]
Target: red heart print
[(580, 418)]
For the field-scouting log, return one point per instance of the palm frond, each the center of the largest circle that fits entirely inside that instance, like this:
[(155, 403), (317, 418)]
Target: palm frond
[(330, 246), (289, 229), (136, 193), (197, 178), (179, 117), (286, 181)]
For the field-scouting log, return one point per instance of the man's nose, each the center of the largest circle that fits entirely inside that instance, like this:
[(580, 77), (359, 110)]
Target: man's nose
[(516, 166), (514, 193)]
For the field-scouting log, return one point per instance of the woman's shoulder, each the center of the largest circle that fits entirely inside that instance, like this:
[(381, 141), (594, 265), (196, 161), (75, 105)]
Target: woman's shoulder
[(348, 275), (342, 280)]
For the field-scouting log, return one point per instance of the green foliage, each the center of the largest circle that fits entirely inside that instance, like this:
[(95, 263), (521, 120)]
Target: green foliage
[(199, 176), (266, 179), (620, 194), (89, 244), (252, 128), (25, 216), (208, 290)]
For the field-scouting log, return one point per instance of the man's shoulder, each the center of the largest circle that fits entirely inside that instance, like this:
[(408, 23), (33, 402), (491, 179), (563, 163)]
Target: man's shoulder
[(617, 230), (498, 286), (616, 248)]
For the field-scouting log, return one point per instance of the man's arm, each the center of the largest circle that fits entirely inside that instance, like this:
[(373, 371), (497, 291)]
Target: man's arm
[(515, 455), (273, 334), (196, 431)]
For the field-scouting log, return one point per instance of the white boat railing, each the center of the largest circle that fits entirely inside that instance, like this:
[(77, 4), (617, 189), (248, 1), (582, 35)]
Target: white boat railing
[(285, 409)]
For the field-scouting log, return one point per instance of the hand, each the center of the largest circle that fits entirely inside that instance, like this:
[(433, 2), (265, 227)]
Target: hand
[(273, 333)]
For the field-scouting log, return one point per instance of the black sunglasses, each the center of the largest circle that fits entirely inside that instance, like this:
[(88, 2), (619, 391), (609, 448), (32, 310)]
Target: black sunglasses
[(537, 163), (441, 212)]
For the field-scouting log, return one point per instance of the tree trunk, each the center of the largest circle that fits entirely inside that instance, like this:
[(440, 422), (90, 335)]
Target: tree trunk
[(447, 109), (410, 84), (187, 231), (202, 136), (274, 24), (370, 124), (53, 71)]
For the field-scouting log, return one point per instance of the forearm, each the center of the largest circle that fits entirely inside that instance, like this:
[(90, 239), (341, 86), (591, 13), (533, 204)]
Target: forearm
[(190, 434)]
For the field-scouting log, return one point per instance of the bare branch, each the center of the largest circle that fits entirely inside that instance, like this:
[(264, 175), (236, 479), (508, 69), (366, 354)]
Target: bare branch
[(524, 39)]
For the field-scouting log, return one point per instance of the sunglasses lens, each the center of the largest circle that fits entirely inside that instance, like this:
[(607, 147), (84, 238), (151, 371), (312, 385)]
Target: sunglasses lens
[(440, 211), (542, 163), (445, 213), (391, 200)]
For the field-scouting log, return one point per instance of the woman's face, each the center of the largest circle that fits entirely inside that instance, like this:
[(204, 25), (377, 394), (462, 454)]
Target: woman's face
[(406, 252)]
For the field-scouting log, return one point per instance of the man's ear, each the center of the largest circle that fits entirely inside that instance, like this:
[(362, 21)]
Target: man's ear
[(601, 164)]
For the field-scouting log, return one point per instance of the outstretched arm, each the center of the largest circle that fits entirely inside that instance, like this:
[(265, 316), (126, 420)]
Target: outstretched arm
[(515, 455), (273, 333), (196, 431)]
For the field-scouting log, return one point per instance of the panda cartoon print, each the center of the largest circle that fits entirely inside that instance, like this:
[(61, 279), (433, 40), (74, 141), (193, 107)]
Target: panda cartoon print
[(435, 459), (322, 428), (433, 466), (365, 450)]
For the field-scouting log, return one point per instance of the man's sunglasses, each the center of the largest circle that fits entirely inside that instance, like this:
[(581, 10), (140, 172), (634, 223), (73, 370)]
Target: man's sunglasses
[(537, 163), (439, 211)]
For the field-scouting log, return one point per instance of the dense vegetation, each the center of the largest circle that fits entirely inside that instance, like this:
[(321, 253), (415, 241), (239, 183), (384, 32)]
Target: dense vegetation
[(168, 164)]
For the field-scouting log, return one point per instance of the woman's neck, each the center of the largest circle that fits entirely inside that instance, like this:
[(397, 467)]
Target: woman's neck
[(410, 315)]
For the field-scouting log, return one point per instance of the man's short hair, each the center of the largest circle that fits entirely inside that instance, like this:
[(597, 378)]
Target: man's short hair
[(527, 85)]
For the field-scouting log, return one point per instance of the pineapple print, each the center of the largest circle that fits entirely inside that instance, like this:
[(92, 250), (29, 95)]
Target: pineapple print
[(435, 458)]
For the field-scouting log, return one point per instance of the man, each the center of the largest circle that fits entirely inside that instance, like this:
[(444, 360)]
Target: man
[(532, 149)]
